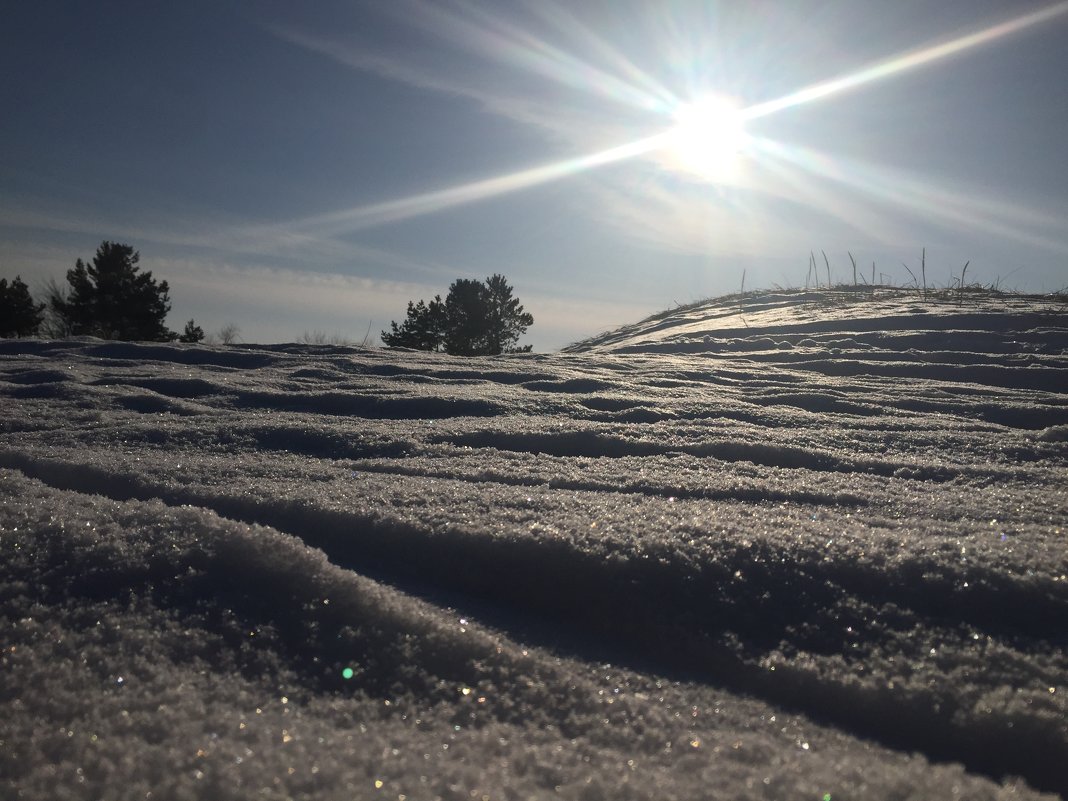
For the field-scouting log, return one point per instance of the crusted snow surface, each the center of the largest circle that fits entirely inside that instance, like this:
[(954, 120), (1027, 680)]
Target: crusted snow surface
[(810, 557)]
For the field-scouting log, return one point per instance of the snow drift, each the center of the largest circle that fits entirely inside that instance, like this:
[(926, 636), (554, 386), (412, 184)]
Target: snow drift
[(781, 545)]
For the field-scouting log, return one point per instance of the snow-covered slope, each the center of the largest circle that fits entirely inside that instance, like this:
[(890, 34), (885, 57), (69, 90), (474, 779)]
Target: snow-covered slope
[(786, 545)]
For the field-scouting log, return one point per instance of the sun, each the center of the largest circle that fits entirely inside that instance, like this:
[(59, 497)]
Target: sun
[(708, 139)]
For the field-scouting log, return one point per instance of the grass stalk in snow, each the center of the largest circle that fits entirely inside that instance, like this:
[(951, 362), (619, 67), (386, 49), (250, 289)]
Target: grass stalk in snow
[(915, 281), (923, 271)]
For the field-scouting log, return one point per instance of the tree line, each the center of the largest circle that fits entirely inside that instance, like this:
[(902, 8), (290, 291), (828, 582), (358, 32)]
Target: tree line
[(109, 297), (112, 298)]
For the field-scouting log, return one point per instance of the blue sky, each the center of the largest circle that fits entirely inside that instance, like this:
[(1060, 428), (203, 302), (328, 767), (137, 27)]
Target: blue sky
[(291, 167)]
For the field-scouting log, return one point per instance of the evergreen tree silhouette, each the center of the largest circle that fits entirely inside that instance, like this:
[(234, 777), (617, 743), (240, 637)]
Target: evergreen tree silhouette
[(466, 323), (19, 315), (476, 319), (111, 298), (506, 320), (192, 333), (422, 329)]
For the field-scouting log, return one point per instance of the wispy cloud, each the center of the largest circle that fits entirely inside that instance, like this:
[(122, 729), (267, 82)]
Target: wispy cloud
[(508, 44), (561, 120), (226, 241), (913, 197)]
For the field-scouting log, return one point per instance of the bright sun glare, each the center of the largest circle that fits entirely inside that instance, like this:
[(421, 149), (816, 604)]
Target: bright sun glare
[(708, 138)]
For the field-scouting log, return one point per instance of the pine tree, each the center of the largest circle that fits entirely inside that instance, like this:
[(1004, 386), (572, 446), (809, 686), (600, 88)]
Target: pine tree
[(476, 319), (466, 324), (192, 333), (505, 318), (422, 329), (111, 298), (19, 315)]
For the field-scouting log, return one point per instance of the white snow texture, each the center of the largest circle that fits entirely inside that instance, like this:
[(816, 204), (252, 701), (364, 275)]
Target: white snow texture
[(798, 545)]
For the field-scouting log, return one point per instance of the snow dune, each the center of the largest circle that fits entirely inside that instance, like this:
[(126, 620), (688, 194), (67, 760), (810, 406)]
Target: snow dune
[(782, 545)]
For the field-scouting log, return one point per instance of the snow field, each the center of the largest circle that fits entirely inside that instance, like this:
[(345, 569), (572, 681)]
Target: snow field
[(751, 570)]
